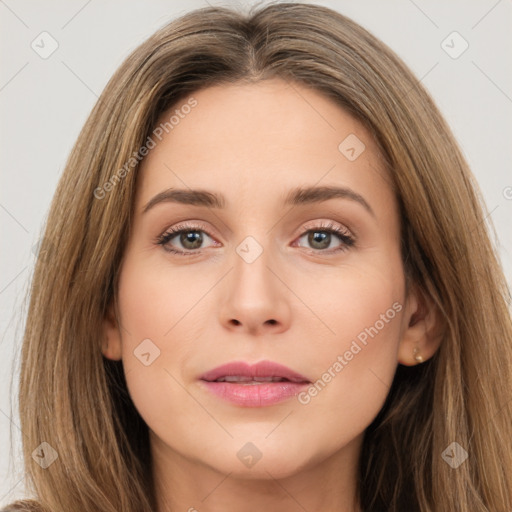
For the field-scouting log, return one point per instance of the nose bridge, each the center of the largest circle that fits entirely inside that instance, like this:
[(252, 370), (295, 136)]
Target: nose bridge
[(255, 298), (251, 275)]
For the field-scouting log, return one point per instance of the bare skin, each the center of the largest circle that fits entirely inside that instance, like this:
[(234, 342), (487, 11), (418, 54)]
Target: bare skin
[(302, 302)]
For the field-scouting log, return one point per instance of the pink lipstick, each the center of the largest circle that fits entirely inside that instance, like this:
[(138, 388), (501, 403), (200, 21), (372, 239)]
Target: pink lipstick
[(262, 384)]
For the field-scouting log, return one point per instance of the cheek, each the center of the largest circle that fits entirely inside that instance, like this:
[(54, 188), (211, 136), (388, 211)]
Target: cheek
[(155, 302), (355, 363), (365, 344), (157, 332)]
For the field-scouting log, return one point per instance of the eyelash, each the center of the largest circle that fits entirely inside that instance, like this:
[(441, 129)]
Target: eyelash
[(342, 233)]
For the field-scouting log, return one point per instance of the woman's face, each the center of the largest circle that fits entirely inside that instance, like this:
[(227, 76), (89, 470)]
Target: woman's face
[(258, 276)]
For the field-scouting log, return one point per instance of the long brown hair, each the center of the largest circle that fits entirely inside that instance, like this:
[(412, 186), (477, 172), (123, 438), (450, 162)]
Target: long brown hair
[(74, 399)]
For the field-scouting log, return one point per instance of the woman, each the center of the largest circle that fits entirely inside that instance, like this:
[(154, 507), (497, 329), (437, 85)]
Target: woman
[(270, 285)]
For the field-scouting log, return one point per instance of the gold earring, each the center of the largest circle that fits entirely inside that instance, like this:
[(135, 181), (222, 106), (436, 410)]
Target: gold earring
[(417, 357)]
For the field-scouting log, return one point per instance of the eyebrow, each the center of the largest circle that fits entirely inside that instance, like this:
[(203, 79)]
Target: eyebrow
[(296, 196)]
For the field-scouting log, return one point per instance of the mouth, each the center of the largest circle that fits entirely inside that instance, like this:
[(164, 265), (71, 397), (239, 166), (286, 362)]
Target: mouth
[(262, 384), (263, 371), (240, 379)]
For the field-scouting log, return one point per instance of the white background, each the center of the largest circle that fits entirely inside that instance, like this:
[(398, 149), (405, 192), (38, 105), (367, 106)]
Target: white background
[(44, 103)]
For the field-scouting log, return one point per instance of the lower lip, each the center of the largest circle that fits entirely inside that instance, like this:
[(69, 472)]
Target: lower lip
[(255, 395)]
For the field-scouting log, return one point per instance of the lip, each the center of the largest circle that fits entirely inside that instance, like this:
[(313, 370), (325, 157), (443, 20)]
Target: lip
[(249, 394)]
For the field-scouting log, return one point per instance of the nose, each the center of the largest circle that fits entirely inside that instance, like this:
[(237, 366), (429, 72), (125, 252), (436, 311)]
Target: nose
[(255, 298)]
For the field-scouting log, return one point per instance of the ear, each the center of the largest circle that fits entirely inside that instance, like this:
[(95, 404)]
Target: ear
[(111, 343), (423, 330)]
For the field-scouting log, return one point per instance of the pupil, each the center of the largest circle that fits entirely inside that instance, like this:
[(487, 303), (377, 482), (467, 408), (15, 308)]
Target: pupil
[(320, 237), (191, 239)]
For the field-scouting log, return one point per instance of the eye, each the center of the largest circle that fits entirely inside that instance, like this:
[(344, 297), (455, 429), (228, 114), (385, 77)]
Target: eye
[(320, 238), (189, 237)]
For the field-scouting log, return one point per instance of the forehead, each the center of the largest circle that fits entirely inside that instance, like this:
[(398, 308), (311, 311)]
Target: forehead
[(260, 140)]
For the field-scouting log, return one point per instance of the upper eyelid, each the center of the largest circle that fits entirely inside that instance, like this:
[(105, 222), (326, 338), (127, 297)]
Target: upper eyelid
[(199, 226)]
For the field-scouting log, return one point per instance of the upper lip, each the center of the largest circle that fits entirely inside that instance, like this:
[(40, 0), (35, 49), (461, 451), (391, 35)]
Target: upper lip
[(261, 369)]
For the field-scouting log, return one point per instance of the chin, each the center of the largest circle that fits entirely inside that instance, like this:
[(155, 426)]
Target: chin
[(261, 459), (268, 469)]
